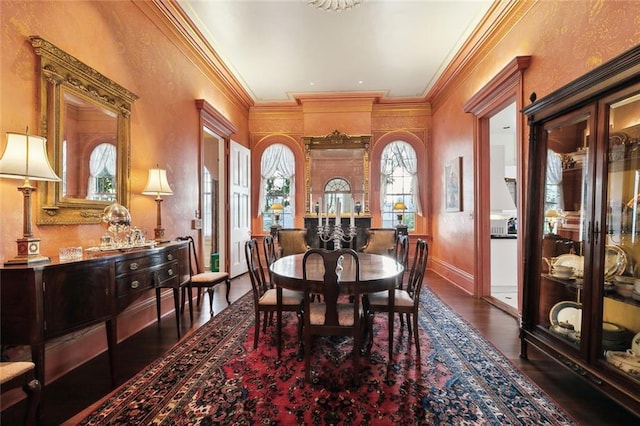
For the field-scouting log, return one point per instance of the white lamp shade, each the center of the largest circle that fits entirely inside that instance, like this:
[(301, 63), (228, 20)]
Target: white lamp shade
[(25, 156), (157, 183)]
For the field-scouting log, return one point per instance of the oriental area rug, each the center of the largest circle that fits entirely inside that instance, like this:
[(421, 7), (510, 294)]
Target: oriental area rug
[(215, 377)]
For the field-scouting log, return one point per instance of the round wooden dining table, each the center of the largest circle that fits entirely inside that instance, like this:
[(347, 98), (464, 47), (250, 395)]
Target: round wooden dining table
[(377, 273)]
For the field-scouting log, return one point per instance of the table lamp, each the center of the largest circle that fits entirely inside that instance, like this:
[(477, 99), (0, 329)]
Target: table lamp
[(276, 208), (25, 157), (553, 217), (158, 185), (400, 208)]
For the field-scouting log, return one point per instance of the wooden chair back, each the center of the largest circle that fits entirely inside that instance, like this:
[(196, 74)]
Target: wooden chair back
[(418, 267), (323, 318), (259, 284), (331, 288)]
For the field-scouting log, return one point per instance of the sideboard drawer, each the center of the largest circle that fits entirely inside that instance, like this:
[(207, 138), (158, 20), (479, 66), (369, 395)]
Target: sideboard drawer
[(134, 283), (168, 275), (143, 262)]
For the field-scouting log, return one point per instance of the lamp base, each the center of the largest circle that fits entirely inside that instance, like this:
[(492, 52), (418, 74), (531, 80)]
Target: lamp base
[(28, 252)]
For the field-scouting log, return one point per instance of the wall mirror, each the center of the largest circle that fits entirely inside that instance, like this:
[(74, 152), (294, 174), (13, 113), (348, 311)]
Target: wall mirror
[(337, 167), (85, 117)]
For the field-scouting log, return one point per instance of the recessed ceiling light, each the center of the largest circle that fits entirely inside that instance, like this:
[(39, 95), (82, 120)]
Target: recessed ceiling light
[(312, 84), (360, 82)]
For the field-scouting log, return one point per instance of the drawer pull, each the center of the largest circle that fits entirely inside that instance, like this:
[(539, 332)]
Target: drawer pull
[(135, 284), (133, 266), (170, 272), (170, 256)]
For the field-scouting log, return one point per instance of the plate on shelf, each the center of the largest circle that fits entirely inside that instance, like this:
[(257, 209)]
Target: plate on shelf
[(615, 261), (571, 260), (626, 362), (567, 312)]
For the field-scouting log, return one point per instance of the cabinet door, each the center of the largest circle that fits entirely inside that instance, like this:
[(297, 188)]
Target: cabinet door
[(77, 295), (567, 206), (619, 298)]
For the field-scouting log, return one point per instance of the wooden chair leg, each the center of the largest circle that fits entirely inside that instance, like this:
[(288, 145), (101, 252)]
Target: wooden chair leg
[(210, 292), (257, 329), (415, 332), (190, 293)]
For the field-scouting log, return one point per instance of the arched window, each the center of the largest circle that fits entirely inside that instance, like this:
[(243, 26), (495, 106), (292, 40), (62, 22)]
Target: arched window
[(335, 189), (102, 170), (399, 182), (277, 185)]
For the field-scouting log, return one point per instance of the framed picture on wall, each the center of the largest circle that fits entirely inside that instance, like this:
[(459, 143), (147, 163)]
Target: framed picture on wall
[(453, 185)]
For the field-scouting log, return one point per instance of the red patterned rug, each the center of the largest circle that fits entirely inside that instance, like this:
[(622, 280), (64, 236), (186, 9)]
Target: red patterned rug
[(214, 377)]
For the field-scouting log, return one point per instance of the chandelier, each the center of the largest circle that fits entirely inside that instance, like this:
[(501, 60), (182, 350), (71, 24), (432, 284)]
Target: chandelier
[(335, 5)]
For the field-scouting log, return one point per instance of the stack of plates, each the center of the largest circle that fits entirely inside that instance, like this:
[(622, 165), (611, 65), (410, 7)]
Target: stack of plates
[(615, 337), (625, 361)]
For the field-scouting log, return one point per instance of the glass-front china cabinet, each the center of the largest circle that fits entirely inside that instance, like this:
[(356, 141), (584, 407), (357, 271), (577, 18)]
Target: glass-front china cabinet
[(582, 265)]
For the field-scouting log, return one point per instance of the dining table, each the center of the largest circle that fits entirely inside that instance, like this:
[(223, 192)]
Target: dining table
[(377, 273)]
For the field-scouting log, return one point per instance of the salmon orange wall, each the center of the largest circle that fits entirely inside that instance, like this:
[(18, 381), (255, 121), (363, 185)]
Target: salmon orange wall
[(126, 42), (131, 44), (566, 39)]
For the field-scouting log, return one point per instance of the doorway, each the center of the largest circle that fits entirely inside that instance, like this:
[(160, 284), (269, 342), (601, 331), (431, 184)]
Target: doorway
[(501, 94), (212, 229), (503, 213)]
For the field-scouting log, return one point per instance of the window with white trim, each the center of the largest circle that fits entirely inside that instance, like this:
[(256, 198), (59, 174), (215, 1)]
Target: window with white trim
[(399, 183)]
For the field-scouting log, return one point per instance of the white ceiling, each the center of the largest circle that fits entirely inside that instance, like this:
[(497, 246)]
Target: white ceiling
[(278, 49)]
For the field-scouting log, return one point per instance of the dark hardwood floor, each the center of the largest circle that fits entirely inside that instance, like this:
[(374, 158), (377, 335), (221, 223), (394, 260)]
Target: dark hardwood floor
[(80, 388)]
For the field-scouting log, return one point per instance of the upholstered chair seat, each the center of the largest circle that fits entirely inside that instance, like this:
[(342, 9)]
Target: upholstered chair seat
[(345, 313), (289, 297)]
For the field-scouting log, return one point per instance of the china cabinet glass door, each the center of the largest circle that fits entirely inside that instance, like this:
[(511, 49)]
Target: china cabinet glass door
[(620, 298), (567, 189)]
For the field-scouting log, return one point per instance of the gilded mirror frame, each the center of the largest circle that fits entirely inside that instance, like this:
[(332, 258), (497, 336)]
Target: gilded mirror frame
[(332, 141), (61, 73)]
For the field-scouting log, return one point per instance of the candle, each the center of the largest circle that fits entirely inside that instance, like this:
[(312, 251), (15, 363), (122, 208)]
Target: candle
[(338, 206), (320, 211), (352, 219), (310, 201)]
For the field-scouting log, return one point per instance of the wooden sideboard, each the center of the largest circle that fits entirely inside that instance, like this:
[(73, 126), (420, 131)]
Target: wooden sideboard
[(45, 301)]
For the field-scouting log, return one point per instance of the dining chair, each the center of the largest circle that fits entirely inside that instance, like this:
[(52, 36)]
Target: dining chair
[(334, 316), (380, 241), (21, 374), (201, 279), (292, 241), (406, 300), (265, 297)]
